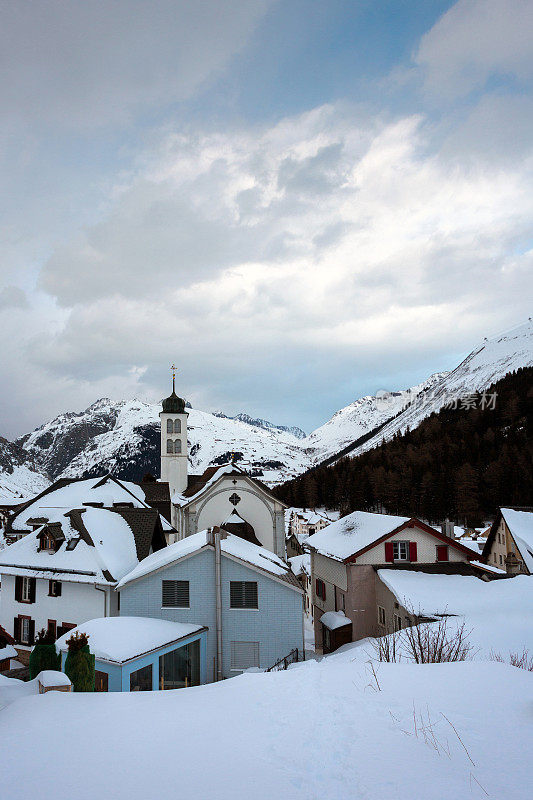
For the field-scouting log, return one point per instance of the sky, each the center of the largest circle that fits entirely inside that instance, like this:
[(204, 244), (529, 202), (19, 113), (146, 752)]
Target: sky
[(297, 202)]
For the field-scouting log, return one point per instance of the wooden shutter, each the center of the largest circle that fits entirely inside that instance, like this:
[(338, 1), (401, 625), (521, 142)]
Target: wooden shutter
[(175, 594), (323, 590), (16, 628), (389, 552), (32, 591), (412, 551), (18, 588), (31, 631), (442, 552)]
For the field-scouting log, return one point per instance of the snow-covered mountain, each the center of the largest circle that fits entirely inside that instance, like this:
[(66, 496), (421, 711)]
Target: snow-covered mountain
[(123, 437), (488, 362), (20, 476)]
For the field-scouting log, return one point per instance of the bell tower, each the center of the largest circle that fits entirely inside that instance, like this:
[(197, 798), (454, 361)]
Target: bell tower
[(174, 440)]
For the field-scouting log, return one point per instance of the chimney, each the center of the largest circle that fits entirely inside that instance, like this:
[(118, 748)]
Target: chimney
[(448, 529)]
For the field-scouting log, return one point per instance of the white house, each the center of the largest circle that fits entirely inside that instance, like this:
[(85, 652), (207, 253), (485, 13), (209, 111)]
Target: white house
[(199, 502), (65, 571)]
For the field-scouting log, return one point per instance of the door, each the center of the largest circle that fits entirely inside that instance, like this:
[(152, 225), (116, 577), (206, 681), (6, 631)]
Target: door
[(100, 681)]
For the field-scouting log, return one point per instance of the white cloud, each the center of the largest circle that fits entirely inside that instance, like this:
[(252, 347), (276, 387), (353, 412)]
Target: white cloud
[(474, 40), (344, 243)]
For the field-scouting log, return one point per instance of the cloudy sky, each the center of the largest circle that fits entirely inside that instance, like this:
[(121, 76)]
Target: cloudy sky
[(299, 202)]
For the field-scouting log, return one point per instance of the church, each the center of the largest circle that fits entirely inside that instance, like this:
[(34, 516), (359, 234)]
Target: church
[(224, 495)]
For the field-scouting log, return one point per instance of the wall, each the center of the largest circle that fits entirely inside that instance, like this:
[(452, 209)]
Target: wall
[(174, 466), (426, 548), (277, 624), (78, 603)]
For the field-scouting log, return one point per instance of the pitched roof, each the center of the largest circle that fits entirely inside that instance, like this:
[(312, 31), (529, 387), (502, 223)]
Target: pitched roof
[(233, 546), (66, 494), (520, 525), (197, 485), (100, 545), (356, 533)]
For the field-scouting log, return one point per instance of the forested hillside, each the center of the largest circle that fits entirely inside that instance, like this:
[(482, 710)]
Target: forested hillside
[(461, 463)]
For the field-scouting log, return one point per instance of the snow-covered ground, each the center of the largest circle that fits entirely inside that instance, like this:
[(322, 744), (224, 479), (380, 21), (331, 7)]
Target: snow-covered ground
[(328, 730)]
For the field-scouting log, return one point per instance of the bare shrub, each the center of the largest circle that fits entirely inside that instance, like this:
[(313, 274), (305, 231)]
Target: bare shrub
[(521, 660), (386, 648), (436, 642)]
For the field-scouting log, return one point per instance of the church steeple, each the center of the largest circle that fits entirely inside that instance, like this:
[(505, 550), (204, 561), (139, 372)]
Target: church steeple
[(174, 440)]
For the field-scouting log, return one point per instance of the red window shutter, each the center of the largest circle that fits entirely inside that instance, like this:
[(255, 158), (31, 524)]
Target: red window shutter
[(317, 588), (389, 552), (18, 589), (442, 552), (412, 551), (32, 590)]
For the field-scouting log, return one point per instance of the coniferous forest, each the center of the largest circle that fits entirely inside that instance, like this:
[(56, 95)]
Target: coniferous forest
[(460, 463)]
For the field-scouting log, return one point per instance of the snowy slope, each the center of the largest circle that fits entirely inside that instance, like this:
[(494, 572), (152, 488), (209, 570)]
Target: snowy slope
[(123, 438), (20, 477), (434, 731), (487, 363), (361, 417)]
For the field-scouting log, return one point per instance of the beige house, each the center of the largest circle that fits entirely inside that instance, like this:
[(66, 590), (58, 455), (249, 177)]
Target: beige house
[(346, 555), (509, 544)]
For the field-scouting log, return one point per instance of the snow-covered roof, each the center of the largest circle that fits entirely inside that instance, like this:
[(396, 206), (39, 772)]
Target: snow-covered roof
[(498, 612), (120, 639), (231, 546), (352, 533), (520, 524), (104, 556), (301, 565), (8, 652), (76, 494), (334, 620), (214, 475)]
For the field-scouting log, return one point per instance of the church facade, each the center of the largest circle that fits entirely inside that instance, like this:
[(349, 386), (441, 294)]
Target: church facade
[(224, 495)]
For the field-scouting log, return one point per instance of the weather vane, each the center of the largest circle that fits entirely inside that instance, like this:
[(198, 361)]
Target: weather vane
[(174, 370)]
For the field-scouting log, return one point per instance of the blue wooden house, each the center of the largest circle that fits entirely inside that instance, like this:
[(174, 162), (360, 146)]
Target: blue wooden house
[(247, 597), (138, 654)]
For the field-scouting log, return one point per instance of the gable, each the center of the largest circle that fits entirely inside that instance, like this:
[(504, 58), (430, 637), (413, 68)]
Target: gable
[(426, 538)]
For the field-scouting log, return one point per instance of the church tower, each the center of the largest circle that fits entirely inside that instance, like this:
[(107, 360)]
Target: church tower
[(174, 441)]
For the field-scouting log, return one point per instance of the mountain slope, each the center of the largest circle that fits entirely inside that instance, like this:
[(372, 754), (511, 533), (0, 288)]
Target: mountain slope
[(20, 477), (123, 438), (487, 363)]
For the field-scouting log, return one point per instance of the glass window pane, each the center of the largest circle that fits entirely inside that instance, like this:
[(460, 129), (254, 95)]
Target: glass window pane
[(177, 446), (169, 426), (177, 426), (180, 667), (141, 679), (170, 446)]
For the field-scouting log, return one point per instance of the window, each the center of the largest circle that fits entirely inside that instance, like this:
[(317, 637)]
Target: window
[(341, 603), (175, 594), (177, 446), (25, 630), (170, 446), (170, 426), (177, 426), (234, 499), (320, 589), (26, 590), (400, 551), (501, 559), (52, 627), (397, 623), (54, 588), (381, 615), (101, 680), (244, 655), (243, 594), (47, 543), (311, 531), (141, 679), (180, 667)]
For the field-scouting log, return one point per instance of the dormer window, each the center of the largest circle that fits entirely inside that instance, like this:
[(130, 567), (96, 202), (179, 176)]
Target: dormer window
[(47, 543)]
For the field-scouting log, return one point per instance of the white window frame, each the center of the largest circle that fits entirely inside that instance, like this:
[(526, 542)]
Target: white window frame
[(26, 591), (397, 548), (25, 635)]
